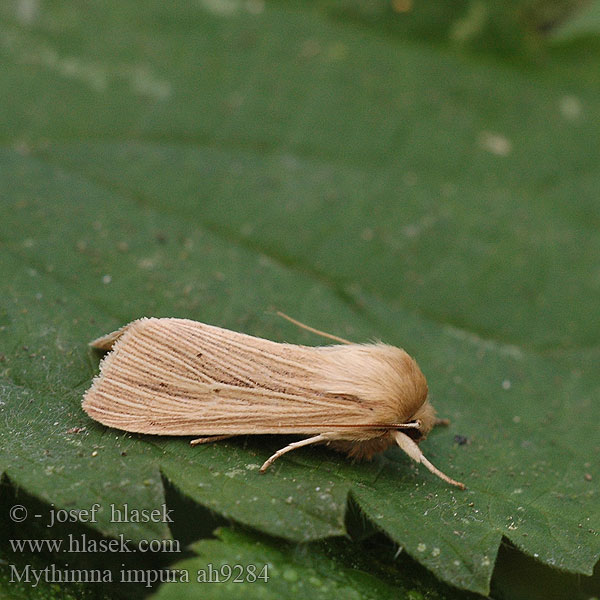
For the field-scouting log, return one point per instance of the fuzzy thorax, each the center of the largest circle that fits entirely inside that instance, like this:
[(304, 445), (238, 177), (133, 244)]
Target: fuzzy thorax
[(385, 381)]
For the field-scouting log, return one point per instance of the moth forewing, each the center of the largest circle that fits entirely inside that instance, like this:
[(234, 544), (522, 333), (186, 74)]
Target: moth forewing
[(180, 377)]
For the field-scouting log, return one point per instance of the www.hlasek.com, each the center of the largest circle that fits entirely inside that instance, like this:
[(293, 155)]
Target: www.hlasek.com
[(82, 543)]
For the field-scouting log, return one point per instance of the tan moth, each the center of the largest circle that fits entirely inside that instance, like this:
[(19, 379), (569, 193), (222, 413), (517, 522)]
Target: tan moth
[(170, 376)]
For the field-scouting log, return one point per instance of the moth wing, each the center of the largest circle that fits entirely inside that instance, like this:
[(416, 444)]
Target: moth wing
[(181, 377), (106, 342)]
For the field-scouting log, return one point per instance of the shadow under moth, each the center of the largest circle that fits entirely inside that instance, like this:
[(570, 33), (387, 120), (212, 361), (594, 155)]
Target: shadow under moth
[(169, 376)]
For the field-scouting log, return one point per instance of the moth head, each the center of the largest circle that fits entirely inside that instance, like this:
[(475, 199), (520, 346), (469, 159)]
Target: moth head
[(424, 419)]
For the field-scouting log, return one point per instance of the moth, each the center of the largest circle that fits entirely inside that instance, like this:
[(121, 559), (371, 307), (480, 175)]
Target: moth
[(169, 376)]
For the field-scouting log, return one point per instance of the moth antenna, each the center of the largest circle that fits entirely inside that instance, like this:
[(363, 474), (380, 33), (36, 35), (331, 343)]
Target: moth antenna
[(411, 448), (208, 439), (313, 330), (412, 425), (322, 437)]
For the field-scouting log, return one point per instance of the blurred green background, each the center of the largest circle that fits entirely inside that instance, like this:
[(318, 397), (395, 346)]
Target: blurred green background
[(425, 173)]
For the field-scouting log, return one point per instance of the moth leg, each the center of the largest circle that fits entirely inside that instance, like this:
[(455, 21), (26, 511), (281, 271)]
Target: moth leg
[(210, 438), (322, 437), (444, 422), (411, 448)]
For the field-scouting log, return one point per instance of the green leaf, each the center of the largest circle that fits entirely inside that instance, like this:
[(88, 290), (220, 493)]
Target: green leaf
[(225, 160), (264, 569)]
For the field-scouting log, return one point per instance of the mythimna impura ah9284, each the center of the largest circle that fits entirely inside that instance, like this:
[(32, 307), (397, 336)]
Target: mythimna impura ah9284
[(168, 376)]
